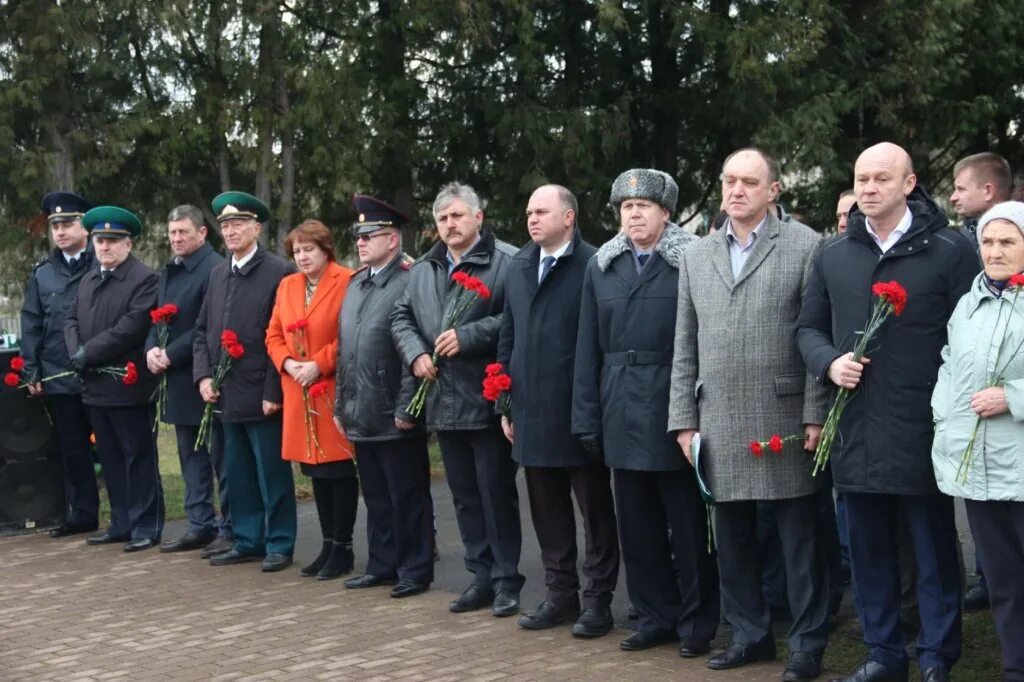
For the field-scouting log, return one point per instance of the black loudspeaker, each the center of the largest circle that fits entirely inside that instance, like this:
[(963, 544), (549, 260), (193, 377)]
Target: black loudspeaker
[(31, 476)]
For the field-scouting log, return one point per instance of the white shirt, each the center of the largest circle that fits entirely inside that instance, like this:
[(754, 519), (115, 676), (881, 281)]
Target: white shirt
[(901, 229), (68, 259), (738, 253), (235, 263), (556, 254)]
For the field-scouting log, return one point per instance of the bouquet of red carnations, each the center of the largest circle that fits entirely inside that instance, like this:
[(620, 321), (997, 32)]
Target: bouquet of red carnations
[(161, 318), (232, 350), (497, 385)]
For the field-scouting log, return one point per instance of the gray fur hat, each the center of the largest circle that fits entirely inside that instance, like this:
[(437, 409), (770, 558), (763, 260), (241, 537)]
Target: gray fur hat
[(1012, 211), (646, 183)]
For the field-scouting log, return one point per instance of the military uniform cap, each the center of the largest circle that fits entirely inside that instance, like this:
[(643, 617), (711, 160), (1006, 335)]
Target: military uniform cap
[(374, 214), (111, 221), (63, 207), (239, 205), (646, 183)]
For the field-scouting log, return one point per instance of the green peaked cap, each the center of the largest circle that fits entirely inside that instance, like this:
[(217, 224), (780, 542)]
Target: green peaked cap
[(239, 205), (111, 221)]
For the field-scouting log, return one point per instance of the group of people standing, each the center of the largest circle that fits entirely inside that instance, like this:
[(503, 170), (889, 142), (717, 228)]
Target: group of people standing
[(641, 372)]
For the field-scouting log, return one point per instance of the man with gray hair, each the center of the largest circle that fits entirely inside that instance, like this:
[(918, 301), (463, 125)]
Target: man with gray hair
[(480, 470), (183, 283)]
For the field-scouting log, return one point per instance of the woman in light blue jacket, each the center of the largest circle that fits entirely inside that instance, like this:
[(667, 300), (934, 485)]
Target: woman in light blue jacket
[(980, 395)]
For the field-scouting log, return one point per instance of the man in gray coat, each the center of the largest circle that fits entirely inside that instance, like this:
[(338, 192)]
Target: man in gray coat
[(738, 377)]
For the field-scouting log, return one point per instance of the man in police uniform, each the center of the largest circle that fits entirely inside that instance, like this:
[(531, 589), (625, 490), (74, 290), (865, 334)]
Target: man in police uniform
[(106, 330), (391, 449), (240, 297), (183, 282), (51, 288)]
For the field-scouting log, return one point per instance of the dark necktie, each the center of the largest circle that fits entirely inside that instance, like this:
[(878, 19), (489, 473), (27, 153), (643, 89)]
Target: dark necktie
[(642, 259), (104, 275), (546, 263), (73, 264), (235, 270)]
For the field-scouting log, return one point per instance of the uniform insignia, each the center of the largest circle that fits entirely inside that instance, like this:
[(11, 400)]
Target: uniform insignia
[(58, 210), (633, 181), (362, 217), (106, 226), (405, 265)]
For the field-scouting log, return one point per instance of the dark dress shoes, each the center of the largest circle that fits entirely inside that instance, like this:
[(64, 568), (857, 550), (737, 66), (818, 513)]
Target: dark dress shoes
[(976, 598), (506, 603), (188, 542), (549, 615), (408, 588), (802, 667), (232, 557), (276, 562), (873, 671), (218, 546), (473, 599), (140, 544), (694, 648), (595, 621), (936, 674), (647, 639), (737, 655), (105, 538), (71, 528), (368, 580)]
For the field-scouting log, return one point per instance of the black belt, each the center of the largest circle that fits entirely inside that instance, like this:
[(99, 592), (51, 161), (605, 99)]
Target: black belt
[(639, 357)]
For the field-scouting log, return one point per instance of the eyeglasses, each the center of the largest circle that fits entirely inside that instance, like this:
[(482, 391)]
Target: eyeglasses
[(368, 237)]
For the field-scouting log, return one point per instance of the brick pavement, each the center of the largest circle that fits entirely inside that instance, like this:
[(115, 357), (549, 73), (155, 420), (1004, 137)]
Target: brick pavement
[(72, 612)]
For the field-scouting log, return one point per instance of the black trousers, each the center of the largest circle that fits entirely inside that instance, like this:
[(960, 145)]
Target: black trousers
[(551, 490), (127, 447), (998, 529), (806, 569), (337, 502), (874, 556), (71, 424), (671, 577), (482, 477), (399, 518)]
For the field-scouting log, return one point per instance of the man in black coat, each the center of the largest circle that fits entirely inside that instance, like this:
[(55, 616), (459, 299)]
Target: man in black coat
[(537, 347), (881, 459), (105, 334), (51, 289), (620, 404), (183, 282), (240, 298), (374, 388), (477, 458)]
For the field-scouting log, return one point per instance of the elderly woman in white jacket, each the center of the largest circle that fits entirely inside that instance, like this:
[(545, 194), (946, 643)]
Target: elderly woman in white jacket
[(980, 392)]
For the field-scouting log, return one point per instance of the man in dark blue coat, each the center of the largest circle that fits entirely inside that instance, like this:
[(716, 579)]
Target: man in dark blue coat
[(240, 298), (183, 282), (105, 333), (881, 459), (620, 406), (51, 289), (537, 347)]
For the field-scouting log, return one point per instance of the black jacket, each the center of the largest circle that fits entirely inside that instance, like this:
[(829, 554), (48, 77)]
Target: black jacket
[(243, 303), (111, 320), (624, 353), (537, 346), (885, 435), (374, 385), (456, 402), (185, 286), (51, 290)]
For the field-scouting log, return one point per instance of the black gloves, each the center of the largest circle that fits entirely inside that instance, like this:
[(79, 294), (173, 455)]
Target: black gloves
[(78, 360), (591, 442)]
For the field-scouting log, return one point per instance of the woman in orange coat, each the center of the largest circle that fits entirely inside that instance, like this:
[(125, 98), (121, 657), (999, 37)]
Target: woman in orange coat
[(302, 340)]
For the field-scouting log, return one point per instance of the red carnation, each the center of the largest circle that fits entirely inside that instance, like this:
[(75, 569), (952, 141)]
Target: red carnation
[(756, 449), (491, 393), (228, 338), (502, 382), (460, 278), (491, 370), (318, 388), (1017, 281), (156, 315), (131, 374), (297, 325), (775, 443), (11, 379), (235, 350), (170, 309), (892, 293), (17, 363)]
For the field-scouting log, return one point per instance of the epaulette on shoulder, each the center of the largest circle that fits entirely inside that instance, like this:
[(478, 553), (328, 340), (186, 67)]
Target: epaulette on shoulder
[(40, 264), (407, 261)]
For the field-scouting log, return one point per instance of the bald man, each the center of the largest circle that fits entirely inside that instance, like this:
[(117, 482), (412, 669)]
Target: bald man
[(881, 460)]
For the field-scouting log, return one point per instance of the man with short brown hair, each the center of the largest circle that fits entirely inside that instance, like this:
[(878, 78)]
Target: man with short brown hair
[(980, 181)]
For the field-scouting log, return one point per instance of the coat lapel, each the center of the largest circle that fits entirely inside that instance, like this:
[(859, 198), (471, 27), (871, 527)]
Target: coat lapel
[(720, 257), (765, 243), (653, 268)]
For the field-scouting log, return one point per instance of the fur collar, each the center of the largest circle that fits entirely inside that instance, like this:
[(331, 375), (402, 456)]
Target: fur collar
[(670, 247)]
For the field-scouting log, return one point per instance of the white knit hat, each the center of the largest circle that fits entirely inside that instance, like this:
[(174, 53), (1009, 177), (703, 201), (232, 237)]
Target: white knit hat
[(1008, 210)]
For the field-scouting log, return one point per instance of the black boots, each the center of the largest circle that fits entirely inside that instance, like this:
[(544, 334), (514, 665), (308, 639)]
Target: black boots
[(339, 561), (318, 563)]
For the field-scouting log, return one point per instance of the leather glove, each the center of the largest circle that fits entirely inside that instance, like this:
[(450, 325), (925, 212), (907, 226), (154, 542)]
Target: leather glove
[(78, 360), (591, 442)]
